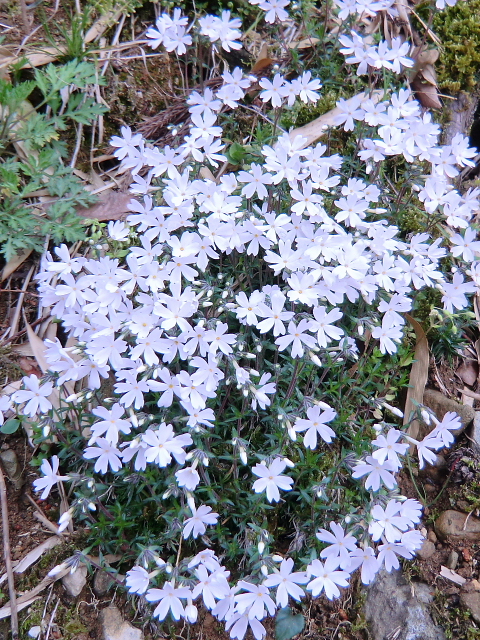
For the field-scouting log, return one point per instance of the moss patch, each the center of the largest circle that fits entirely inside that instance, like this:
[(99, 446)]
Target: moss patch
[(458, 28)]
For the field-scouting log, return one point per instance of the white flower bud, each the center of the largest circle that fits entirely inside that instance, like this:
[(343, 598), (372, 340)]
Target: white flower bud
[(243, 455), (46, 431), (360, 330), (425, 416), (277, 558), (264, 569), (261, 547), (348, 519), (289, 463)]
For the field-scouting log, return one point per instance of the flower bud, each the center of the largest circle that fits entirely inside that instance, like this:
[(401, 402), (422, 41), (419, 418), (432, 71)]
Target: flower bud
[(264, 569), (261, 547), (243, 455)]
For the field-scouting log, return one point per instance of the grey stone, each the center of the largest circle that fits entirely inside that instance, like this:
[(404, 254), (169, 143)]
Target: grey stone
[(394, 608), (12, 467), (441, 405), (102, 583), (452, 560), (114, 627), (471, 601), (454, 526), (475, 433), (74, 582), (426, 550)]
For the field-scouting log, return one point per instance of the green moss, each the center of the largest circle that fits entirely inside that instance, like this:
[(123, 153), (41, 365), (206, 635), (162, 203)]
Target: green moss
[(302, 114), (458, 28)]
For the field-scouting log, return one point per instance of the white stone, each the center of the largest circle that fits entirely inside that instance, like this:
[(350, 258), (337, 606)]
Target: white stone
[(114, 627), (74, 582)]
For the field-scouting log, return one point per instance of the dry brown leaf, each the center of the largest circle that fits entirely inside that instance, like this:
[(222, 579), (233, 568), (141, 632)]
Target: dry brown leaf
[(206, 174), (22, 349), (426, 94), (34, 59), (318, 127), (306, 43), (470, 394), (38, 348), (33, 555), (261, 65), (468, 372), (428, 75), (112, 205), (13, 264), (102, 24), (418, 376)]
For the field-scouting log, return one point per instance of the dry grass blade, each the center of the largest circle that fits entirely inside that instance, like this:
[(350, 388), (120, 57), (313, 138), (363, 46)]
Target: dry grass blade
[(28, 597), (37, 553), (7, 556), (418, 376)]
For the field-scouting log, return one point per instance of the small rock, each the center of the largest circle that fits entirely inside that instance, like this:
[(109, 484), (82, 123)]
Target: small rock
[(34, 632), (441, 405), (12, 467), (432, 536), (471, 601), (74, 582), (475, 432), (463, 505), (102, 583), (452, 560), (395, 608), (114, 627), (426, 550), (455, 526), (471, 586)]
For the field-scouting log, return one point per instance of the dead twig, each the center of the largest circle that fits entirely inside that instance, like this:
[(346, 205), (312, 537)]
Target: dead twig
[(7, 556)]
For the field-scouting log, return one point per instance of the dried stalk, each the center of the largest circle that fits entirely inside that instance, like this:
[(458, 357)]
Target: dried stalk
[(7, 556)]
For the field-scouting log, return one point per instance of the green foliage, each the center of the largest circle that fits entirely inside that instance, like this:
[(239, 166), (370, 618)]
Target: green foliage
[(10, 426), (458, 28), (32, 156), (287, 625)]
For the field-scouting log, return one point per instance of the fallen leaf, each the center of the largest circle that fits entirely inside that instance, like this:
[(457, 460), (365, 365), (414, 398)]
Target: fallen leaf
[(33, 555), (29, 366), (102, 24), (418, 376), (428, 75), (422, 59), (111, 205), (318, 127), (38, 348), (260, 66), (470, 394), (468, 372), (306, 43), (23, 349), (206, 174), (13, 264), (426, 94), (449, 574)]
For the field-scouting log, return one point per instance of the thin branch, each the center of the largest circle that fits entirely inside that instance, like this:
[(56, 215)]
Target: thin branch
[(7, 556)]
